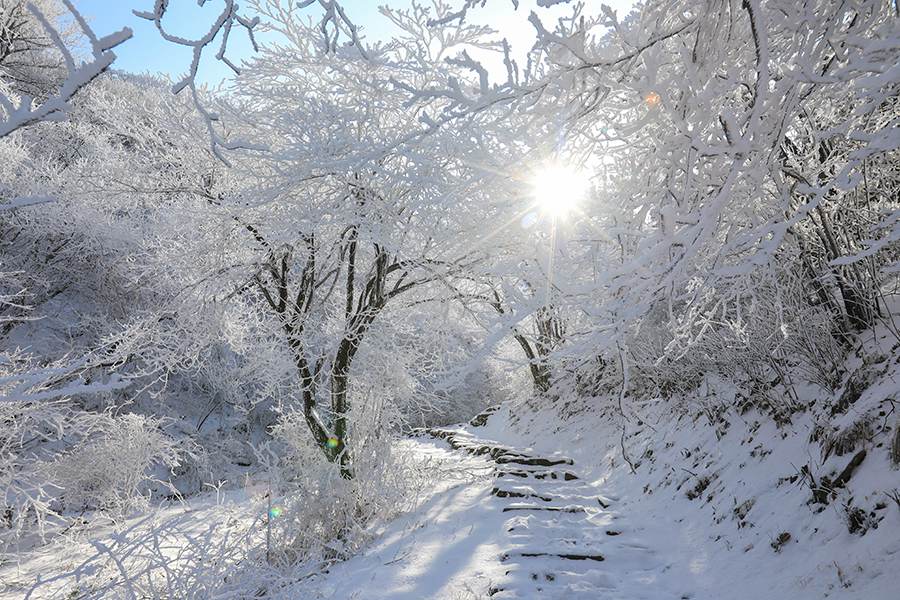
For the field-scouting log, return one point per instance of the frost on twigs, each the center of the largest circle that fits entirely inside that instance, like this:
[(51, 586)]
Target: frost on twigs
[(334, 24), (558, 60), (462, 13), (228, 18), (19, 110)]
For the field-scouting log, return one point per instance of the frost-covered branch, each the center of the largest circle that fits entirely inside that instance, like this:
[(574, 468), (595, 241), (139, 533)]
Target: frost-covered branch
[(21, 110), (223, 24), (334, 22)]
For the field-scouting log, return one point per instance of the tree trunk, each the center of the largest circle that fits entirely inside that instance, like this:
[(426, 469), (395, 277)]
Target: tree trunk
[(540, 370), (340, 406)]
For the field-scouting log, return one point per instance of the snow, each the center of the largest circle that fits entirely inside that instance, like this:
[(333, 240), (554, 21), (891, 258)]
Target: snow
[(447, 547), (465, 541), (67, 564), (26, 201), (695, 375), (723, 543), (642, 536)]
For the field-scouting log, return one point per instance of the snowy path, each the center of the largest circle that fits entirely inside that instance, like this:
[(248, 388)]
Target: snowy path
[(528, 527), (564, 539), (496, 523)]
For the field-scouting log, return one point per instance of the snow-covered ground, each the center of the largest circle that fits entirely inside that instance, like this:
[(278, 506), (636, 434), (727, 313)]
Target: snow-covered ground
[(441, 548), (468, 543), (729, 507), (167, 543), (462, 542), (711, 511), (447, 548), (723, 541)]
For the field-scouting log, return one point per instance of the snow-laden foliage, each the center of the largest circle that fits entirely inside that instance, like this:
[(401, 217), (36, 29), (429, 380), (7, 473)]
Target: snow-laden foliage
[(39, 62), (60, 461), (745, 159), (108, 472), (262, 287)]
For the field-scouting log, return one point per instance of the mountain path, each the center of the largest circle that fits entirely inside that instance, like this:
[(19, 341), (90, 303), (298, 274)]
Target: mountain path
[(561, 538)]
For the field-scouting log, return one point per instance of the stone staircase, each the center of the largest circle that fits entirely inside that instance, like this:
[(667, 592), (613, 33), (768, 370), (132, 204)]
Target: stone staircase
[(559, 529)]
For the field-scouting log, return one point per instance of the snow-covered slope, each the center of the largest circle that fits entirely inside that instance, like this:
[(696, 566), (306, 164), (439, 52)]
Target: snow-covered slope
[(733, 504), (692, 500), (746, 507)]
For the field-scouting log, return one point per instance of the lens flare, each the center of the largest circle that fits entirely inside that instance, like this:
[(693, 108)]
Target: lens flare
[(529, 220), (275, 512), (332, 443), (652, 99)]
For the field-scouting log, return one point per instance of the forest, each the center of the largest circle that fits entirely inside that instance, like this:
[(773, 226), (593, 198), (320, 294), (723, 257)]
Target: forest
[(408, 308)]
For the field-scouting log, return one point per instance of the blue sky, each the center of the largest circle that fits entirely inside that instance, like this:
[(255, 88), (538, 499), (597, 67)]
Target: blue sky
[(147, 52)]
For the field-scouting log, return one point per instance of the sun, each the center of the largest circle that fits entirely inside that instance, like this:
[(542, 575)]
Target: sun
[(558, 189)]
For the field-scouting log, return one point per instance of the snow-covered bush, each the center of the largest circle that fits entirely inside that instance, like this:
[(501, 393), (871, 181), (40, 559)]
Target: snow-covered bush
[(58, 460), (113, 469), (319, 516), (772, 333)]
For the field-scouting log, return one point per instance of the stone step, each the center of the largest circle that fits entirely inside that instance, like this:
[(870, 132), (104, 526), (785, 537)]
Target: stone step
[(536, 507), (480, 420), (535, 461), (540, 554), (505, 493), (536, 474), (565, 538), (555, 581), (558, 545), (504, 489)]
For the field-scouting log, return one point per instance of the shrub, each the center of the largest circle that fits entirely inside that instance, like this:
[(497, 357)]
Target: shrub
[(111, 470)]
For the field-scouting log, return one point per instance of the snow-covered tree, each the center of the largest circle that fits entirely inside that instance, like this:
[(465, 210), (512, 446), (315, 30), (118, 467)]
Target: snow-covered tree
[(357, 207), (40, 67), (727, 141)]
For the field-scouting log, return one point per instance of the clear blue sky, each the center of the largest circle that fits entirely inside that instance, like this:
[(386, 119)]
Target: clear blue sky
[(147, 52)]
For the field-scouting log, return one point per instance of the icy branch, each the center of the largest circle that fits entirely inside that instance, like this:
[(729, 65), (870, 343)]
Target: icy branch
[(222, 24), (461, 14), (23, 111)]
